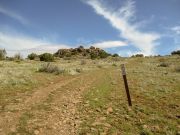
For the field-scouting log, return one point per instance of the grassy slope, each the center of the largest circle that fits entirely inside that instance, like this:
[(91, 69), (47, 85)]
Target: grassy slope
[(18, 79), (154, 90), (155, 95)]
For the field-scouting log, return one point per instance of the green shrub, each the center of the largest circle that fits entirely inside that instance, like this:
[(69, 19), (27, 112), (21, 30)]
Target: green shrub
[(2, 54), (175, 52), (103, 54), (47, 57), (115, 55), (93, 56), (50, 68), (32, 56), (138, 55)]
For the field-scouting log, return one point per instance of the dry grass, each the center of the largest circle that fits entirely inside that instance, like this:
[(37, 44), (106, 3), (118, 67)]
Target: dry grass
[(155, 97), (154, 91), (18, 79), (51, 68)]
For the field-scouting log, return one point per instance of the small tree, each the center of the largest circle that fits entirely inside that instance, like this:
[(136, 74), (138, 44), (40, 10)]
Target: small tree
[(2, 54), (175, 52), (32, 56), (46, 57)]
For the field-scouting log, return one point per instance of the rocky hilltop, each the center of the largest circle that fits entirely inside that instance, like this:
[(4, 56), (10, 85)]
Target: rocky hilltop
[(91, 52)]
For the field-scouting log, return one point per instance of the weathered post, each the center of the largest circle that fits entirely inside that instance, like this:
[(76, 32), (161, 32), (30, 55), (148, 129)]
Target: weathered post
[(126, 84)]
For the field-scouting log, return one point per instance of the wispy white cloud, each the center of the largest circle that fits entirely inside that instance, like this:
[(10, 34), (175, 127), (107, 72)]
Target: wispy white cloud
[(50, 48), (109, 44), (13, 15), (176, 29), (122, 21), (25, 45), (38, 50), (19, 42)]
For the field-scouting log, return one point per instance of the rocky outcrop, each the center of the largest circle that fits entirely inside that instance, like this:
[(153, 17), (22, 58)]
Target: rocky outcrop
[(91, 52)]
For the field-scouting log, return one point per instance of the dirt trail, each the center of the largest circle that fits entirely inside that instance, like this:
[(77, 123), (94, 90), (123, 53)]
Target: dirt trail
[(42, 93), (9, 119), (62, 118)]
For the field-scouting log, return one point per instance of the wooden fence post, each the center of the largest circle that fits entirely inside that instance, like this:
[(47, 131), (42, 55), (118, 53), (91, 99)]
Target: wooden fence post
[(126, 84)]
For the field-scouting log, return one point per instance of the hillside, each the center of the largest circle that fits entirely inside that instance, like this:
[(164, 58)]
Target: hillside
[(84, 96)]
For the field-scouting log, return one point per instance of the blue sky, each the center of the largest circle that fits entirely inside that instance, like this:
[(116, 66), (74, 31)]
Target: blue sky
[(125, 27)]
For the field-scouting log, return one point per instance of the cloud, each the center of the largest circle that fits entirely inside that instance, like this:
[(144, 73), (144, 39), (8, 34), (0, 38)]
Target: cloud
[(176, 29), (122, 21), (16, 43), (45, 48), (109, 44), (38, 50), (25, 45), (128, 53), (13, 15), (19, 42)]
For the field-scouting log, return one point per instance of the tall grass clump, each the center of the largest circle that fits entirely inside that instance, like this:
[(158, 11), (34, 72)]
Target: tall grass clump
[(83, 62), (50, 68), (177, 69), (163, 64)]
